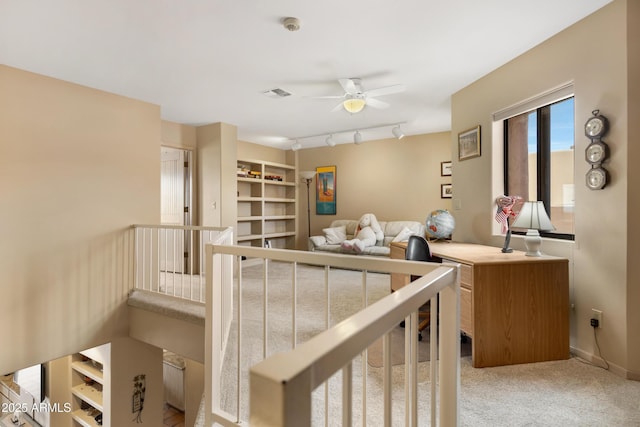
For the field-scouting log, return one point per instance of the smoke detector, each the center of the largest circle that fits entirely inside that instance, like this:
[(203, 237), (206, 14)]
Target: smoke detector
[(291, 24)]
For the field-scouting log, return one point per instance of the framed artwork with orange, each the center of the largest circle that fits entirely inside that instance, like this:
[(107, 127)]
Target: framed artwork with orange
[(326, 190)]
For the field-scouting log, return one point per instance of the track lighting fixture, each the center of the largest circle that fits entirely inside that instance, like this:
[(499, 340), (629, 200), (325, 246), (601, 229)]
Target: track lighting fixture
[(357, 137), (397, 132), (330, 142)]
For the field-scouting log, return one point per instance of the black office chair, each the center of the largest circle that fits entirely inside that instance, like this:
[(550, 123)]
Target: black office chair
[(418, 250)]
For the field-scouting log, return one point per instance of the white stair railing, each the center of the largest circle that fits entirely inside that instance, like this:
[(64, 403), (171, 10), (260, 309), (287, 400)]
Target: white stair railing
[(282, 384), (169, 259)]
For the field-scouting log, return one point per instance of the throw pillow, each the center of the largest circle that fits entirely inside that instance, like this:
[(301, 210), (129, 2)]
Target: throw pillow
[(318, 240), (335, 235), (403, 235)]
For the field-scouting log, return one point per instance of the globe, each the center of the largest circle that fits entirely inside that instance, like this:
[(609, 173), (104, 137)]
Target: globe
[(440, 224)]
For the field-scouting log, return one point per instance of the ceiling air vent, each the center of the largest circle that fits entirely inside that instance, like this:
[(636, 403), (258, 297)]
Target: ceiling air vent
[(276, 93)]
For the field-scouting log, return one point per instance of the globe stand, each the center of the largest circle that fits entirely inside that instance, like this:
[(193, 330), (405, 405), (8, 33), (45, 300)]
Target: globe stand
[(506, 249)]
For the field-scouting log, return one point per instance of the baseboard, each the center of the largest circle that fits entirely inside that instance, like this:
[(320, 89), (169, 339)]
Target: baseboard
[(600, 362)]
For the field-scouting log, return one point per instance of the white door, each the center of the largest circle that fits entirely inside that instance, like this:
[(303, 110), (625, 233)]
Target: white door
[(172, 209)]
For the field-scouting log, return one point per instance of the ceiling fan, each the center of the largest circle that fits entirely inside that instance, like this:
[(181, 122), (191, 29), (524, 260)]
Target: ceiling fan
[(355, 99)]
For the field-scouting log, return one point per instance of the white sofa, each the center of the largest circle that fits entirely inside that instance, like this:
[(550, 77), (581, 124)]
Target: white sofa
[(329, 241)]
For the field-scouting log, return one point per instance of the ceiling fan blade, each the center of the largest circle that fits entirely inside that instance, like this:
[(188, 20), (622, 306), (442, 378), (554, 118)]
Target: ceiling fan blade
[(388, 90), (376, 103), (337, 108), (326, 97), (349, 86)]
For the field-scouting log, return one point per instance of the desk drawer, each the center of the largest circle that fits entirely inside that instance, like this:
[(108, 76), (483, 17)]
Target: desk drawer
[(466, 311), (466, 276)]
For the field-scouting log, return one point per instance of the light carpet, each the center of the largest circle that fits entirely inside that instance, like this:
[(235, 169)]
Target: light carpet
[(374, 352), (558, 393)]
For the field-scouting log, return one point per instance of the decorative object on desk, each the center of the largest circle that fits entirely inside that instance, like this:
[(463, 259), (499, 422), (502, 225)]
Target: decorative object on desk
[(440, 224), (446, 191), (445, 168), (469, 143), (597, 151), (326, 190), (506, 211), (533, 216), (307, 177)]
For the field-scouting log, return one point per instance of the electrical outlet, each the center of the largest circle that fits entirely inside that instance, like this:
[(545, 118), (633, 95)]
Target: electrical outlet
[(597, 314)]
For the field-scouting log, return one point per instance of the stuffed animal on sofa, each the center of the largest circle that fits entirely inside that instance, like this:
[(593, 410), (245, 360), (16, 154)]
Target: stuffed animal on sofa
[(367, 233)]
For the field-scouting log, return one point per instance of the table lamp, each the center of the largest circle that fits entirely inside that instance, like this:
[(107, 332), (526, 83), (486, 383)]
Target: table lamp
[(533, 217)]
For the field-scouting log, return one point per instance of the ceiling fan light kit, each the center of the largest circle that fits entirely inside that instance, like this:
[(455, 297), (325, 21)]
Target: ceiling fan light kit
[(354, 98), (353, 104)]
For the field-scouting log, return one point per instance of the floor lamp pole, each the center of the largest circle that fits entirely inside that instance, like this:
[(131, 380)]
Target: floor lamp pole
[(308, 181), (307, 177)]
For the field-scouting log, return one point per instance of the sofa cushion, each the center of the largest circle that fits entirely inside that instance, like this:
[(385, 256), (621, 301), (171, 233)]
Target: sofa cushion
[(318, 240), (403, 235), (335, 235)]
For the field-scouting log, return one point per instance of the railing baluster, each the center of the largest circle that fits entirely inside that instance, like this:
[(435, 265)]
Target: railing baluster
[(347, 394), (326, 324), (433, 355), (363, 361), (265, 303), (294, 303), (175, 262), (386, 381), (239, 338)]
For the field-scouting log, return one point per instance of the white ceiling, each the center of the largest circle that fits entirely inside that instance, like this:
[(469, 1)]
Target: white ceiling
[(209, 61)]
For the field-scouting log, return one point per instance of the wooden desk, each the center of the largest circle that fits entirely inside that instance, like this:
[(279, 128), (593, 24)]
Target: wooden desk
[(515, 308)]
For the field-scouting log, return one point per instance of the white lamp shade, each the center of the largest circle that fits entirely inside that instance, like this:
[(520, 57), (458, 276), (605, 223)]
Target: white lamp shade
[(533, 216), (307, 174)]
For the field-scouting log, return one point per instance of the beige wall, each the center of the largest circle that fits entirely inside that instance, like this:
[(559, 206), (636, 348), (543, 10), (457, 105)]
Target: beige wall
[(250, 151), (216, 174), (633, 180), (78, 167), (599, 262), (394, 179), (177, 135)]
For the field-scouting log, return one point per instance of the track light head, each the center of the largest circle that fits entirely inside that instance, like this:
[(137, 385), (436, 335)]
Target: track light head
[(357, 137), (397, 132), (296, 145), (330, 142)]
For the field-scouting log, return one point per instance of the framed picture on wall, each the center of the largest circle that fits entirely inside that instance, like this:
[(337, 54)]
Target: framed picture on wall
[(446, 191), (326, 190), (469, 143), (445, 168)]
